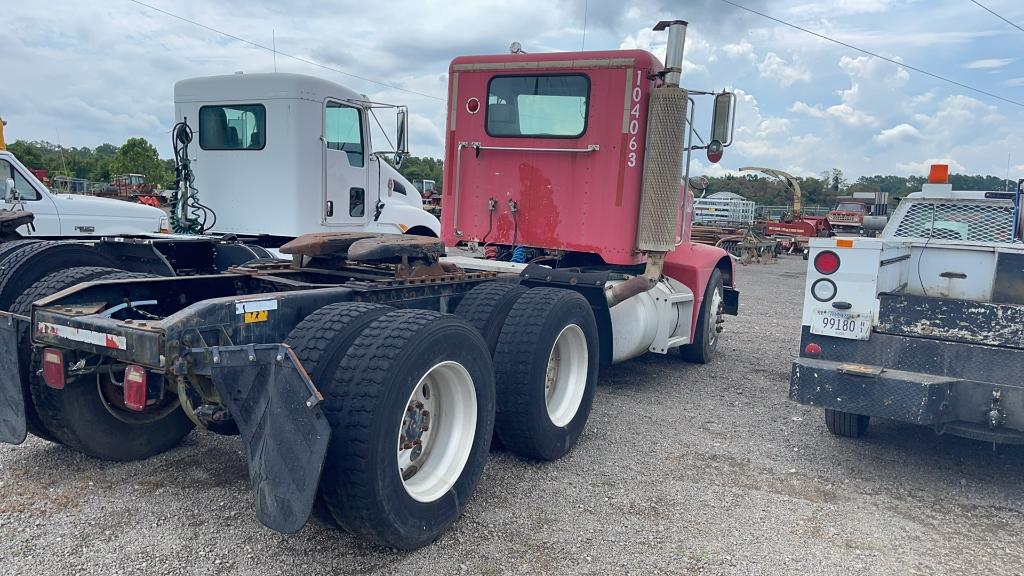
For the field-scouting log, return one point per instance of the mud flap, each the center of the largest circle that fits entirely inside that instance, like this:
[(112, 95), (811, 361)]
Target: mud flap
[(276, 407), (13, 428)]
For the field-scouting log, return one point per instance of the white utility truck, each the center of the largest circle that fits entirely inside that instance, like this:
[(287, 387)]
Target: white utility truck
[(67, 215), (924, 324)]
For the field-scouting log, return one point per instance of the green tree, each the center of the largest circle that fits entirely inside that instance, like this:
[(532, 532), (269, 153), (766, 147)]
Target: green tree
[(137, 156), (422, 168)]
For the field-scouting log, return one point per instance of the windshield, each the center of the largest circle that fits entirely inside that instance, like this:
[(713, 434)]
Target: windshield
[(850, 207)]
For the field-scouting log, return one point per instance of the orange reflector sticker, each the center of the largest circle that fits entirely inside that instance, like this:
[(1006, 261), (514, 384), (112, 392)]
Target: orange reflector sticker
[(844, 243)]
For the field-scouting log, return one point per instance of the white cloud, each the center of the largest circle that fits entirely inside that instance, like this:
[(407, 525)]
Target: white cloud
[(842, 7), (654, 42), (799, 107), (988, 63), (850, 116), (741, 49), (773, 66), (901, 133), (922, 168)]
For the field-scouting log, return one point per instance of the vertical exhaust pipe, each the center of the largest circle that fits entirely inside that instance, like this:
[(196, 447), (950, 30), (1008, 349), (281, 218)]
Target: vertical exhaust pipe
[(663, 168)]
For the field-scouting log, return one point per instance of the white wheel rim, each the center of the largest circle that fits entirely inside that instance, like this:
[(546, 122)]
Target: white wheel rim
[(565, 379), (712, 319), (436, 431)]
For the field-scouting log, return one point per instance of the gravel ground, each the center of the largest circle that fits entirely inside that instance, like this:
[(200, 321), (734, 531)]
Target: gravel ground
[(682, 470)]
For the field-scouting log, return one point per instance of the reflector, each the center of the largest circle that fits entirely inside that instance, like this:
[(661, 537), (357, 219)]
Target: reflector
[(53, 368), (135, 388)]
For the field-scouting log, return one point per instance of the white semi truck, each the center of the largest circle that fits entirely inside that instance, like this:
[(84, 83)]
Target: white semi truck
[(924, 324), (280, 155)]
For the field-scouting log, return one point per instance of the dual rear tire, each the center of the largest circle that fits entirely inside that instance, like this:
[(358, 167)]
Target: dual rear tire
[(410, 397), (413, 399)]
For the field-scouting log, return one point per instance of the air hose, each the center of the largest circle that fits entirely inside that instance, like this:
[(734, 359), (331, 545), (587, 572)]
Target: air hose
[(188, 214), (518, 255)]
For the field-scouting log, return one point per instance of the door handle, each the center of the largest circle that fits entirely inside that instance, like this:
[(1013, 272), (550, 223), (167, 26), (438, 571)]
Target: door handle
[(330, 208)]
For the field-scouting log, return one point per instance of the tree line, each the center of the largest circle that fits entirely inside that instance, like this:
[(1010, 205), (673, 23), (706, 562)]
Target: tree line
[(99, 164), (823, 190), (138, 156)]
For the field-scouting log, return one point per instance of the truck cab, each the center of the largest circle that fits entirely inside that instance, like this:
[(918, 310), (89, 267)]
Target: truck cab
[(286, 154), (922, 324), (71, 215), (861, 213)]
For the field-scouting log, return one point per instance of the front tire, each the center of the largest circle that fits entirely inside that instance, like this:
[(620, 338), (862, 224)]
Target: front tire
[(411, 408), (705, 338)]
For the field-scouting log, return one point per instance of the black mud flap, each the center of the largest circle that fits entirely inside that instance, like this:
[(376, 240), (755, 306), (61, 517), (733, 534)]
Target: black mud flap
[(276, 407), (12, 402)]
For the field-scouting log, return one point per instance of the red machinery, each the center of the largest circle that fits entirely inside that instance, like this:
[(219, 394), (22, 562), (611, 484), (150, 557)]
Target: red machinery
[(41, 174), (552, 156)]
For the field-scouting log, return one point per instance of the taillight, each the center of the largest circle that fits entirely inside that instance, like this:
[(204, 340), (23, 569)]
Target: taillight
[(826, 262), (135, 388), (812, 350), (53, 368)]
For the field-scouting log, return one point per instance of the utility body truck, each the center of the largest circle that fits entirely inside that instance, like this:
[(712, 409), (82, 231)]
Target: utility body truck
[(360, 397), (924, 324)]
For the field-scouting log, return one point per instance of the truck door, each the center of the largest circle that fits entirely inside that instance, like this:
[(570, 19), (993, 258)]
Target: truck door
[(347, 198), (46, 220)]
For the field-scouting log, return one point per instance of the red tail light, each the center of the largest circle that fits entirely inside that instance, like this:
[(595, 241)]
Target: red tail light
[(53, 368), (826, 262), (812, 350), (135, 388)]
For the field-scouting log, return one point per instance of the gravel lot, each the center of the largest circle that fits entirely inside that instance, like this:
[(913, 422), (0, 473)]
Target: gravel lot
[(682, 470)]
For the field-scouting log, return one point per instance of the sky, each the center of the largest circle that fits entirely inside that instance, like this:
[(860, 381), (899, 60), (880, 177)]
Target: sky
[(84, 73)]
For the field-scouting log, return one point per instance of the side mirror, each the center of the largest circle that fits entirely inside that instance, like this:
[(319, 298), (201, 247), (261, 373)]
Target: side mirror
[(8, 189), (722, 119), (403, 131)]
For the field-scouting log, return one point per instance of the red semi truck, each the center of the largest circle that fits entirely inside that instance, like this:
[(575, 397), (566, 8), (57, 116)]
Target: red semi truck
[(367, 376)]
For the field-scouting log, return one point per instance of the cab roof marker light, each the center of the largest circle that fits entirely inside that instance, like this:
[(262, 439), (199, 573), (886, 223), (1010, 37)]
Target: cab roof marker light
[(939, 174)]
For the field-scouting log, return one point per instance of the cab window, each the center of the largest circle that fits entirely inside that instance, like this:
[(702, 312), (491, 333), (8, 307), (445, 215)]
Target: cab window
[(343, 130), (548, 106), (21, 184), (233, 127)]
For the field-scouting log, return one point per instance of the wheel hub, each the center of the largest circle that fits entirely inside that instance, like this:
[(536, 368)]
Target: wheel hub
[(565, 378), (436, 431)]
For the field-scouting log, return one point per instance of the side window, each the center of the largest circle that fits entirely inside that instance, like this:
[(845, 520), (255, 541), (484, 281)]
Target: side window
[(233, 127), (21, 184), (552, 106), (343, 130), (356, 202)]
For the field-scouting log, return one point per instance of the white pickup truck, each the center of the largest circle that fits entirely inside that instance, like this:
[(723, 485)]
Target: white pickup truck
[(924, 324), (71, 215)]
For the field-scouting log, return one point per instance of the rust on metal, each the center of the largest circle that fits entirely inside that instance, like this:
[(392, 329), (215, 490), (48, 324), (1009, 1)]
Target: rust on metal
[(325, 243)]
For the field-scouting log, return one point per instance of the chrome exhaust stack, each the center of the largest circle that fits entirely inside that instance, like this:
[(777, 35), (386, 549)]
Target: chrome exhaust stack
[(663, 169)]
